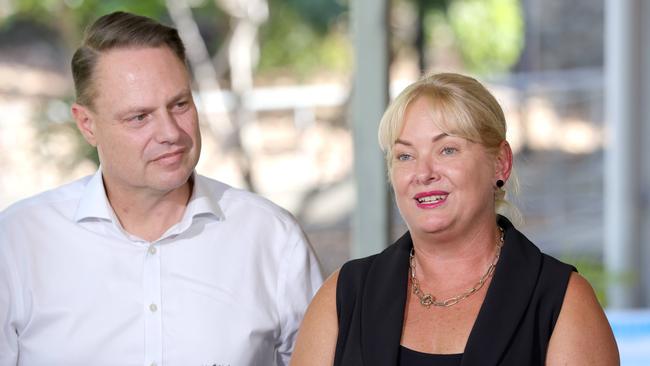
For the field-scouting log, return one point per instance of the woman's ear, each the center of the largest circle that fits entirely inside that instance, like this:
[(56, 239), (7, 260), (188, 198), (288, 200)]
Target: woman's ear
[(503, 166), (85, 122)]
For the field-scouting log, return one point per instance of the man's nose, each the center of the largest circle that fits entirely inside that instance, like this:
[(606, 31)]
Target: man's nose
[(167, 128)]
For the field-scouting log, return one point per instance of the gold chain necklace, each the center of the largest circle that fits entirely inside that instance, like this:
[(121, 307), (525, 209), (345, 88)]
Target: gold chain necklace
[(427, 299)]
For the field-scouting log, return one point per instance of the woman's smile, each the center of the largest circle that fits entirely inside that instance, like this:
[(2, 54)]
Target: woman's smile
[(430, 199)]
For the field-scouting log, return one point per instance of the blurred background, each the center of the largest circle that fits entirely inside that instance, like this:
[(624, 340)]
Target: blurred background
[(285, 90)]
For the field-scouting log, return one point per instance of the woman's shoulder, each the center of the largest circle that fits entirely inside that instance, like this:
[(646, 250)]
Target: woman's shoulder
[(552, 285), (582, 314), (318, 332), (355, 268), (523, 249), (354, 272), (555, 269), (351, 278), (544, 277)]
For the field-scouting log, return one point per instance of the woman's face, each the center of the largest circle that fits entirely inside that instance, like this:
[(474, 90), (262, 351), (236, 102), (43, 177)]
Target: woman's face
[(441, 182)]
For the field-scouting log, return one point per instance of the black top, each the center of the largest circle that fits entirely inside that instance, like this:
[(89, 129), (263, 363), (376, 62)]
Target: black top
[(513, 326), (409, 357)]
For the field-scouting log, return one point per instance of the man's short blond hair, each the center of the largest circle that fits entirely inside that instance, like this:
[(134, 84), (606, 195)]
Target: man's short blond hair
[(118, 30)]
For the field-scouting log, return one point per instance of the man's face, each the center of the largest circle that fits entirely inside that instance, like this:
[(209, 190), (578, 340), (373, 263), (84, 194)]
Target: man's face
[(143, 120)]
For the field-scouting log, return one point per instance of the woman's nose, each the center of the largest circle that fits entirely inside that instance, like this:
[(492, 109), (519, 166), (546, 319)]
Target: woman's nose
[(425, 171)]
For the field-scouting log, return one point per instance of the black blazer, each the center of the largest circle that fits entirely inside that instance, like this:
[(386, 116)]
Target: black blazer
[(513, 326)]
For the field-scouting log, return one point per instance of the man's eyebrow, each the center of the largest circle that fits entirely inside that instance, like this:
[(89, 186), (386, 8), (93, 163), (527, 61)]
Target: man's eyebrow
[(185, 93), (133, 110)]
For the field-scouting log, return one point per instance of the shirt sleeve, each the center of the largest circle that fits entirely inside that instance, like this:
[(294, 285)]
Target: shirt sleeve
[(299, 280), (8, 333)]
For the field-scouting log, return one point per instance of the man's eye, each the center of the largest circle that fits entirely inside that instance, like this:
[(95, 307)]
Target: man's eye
[(138, 118), (181, 106), (403, 157)]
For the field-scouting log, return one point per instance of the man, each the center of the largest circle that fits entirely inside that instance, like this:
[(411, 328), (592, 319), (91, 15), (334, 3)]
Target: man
[(147, 262)]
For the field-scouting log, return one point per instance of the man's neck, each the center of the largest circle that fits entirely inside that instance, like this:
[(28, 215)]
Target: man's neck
[(149, 214)]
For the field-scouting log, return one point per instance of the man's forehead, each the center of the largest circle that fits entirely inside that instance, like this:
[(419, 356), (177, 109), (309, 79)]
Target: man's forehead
[(159, 61), (139, 76), (137, 56)]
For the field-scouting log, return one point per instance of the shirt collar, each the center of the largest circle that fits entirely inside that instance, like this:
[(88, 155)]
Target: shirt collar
[(94, 203), (203, 201), (202, 204)]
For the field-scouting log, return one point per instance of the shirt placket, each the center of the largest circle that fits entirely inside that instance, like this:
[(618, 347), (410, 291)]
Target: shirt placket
[(152, 307)]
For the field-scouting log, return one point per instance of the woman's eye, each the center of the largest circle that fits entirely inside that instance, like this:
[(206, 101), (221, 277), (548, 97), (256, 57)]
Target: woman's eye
[(403, 157), (449, 150)]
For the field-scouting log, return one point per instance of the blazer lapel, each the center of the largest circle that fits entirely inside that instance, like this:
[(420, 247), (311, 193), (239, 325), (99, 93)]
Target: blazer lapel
[(506, 301), (384, 299)]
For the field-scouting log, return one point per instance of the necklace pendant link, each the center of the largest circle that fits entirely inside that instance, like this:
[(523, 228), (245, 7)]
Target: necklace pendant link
[(427, 300), (451, 302)]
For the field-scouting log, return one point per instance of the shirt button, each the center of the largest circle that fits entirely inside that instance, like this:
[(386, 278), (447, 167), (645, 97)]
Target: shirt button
[(152, 250), (153, 308)]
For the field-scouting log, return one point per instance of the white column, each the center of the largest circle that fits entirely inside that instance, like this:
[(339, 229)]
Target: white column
[(645, 156), (369, 98), (622, 151)]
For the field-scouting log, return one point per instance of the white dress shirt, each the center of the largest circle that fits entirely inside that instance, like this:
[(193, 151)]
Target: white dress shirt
[(227, 285)]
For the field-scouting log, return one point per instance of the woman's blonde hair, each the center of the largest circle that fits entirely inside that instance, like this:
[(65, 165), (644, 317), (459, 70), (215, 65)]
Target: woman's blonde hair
[(459, 106)]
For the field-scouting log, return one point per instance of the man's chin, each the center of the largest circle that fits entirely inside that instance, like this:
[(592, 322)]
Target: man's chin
[(169, 181)]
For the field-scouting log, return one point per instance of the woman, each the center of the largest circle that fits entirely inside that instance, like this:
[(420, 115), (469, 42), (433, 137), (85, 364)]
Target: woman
[(462, 286)]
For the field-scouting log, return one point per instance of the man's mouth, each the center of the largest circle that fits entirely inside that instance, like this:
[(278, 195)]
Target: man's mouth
[(170, 154)]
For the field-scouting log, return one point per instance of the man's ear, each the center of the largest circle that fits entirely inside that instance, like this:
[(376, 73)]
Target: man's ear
[(504, 161), (85, 122)]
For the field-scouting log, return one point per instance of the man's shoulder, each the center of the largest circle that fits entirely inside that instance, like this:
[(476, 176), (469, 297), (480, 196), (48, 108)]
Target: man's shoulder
[(53, 198), (231, 199)]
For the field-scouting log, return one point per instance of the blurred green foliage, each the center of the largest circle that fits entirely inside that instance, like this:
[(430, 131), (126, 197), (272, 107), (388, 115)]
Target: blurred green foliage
[(319, 14), (302, 36), (305, 37), (490, 33), (71, 17)]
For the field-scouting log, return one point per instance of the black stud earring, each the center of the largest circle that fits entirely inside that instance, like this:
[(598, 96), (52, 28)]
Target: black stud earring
[(500, 183)]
